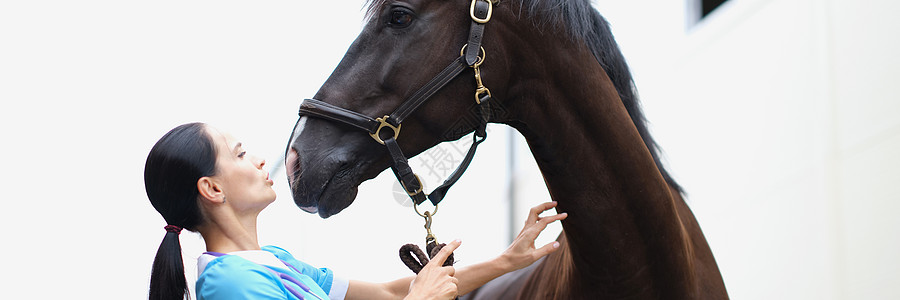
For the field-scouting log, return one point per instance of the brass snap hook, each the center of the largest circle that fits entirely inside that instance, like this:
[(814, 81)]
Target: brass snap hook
[(480, 89), (429, 217)]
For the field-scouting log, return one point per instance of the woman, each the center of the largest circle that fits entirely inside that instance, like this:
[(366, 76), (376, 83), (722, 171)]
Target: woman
[(200, 179)]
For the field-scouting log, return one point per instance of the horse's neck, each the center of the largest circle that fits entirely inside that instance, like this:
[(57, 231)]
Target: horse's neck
[(623, 227)]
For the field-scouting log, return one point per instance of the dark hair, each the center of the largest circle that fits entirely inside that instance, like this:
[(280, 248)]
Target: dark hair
[(175, 164)]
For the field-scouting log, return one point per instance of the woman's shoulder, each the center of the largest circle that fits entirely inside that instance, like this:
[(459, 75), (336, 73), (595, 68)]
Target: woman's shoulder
[(227, 266), (289, 258), (237, 277)]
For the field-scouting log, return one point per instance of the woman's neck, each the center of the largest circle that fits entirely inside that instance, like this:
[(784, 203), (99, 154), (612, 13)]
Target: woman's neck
[(227, 232)]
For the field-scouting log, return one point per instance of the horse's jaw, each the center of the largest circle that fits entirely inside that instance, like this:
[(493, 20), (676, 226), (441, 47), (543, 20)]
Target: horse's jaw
[(325, 164), (318, 186), (332, 199)]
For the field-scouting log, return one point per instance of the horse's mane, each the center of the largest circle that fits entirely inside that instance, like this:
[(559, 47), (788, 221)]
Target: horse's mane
[(581, 22)]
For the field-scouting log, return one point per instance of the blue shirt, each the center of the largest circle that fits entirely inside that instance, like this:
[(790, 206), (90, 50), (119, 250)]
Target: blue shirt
[(235, 277)]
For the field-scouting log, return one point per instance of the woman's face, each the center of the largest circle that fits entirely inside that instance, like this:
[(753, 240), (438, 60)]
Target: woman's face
[(240, 175)]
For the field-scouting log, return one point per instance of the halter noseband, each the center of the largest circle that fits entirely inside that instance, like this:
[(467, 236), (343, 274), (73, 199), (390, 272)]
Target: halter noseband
[(471, 55)]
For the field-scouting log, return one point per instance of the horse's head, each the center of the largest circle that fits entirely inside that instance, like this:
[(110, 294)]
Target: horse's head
[(403, 45)]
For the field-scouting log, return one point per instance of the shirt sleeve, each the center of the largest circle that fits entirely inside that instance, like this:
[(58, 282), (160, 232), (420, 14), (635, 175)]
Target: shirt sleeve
[(339, 287), (237, 280)]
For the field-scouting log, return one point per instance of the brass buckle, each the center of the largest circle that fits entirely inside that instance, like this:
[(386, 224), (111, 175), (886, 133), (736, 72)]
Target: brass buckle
[(383, 123), (489, 13), (421, 186)]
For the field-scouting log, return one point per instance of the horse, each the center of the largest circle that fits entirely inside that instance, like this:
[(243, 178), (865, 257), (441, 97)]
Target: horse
[(557, 76)]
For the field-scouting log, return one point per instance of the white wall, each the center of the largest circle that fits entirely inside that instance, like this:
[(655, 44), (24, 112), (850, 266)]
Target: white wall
[(780, 119), (87, 87)]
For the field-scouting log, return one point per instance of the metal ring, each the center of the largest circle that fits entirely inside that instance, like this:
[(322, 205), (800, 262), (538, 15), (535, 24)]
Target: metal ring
[(481, 57), (416, 207), (383, 123)]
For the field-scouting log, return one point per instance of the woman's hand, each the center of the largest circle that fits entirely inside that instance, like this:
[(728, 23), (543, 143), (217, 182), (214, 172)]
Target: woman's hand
[(522, 252), (436, 281)]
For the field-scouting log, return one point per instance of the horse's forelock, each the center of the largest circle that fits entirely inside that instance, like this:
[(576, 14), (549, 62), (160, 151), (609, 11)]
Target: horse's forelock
[(373, 7)]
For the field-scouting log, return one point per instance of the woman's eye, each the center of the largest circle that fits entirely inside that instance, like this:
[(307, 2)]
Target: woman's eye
[(400, 18), (241, 155)]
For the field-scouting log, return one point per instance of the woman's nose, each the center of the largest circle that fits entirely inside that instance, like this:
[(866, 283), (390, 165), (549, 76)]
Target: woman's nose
[(259, 162)]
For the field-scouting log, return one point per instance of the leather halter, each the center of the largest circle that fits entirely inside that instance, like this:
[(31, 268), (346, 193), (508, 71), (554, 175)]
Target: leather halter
[(471, 55)]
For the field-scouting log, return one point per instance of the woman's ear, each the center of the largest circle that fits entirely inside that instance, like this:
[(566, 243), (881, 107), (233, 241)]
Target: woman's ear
[(210, 191)]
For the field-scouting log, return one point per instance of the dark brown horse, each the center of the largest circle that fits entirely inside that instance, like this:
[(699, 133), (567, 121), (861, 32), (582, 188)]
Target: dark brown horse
[(558, 77)]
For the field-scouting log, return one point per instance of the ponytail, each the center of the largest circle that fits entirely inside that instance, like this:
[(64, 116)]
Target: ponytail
[(180, 158), (167, 280)]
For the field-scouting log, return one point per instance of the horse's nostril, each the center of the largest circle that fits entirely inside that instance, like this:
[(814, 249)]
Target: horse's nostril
[(292, 164)]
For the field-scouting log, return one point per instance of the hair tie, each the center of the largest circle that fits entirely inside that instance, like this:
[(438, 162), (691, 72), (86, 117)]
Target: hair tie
[(173, 228)]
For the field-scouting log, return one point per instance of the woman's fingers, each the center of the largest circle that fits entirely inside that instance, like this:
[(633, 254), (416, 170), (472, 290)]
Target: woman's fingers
[(445, 252), (523, 252), (531, 230), (535, 224), (435, 281), (546, 249), (533, 215), (544, 221)]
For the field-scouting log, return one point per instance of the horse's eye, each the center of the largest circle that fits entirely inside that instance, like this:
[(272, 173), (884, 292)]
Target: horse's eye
[(400, 18)]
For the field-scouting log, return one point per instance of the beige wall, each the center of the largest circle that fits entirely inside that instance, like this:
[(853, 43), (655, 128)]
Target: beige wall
[(780, 118)]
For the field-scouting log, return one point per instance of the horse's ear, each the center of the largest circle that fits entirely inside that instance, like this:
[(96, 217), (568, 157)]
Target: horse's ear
[(210, 190)]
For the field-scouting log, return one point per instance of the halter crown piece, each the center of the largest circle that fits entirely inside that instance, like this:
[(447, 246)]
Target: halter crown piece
[(173, 229)]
